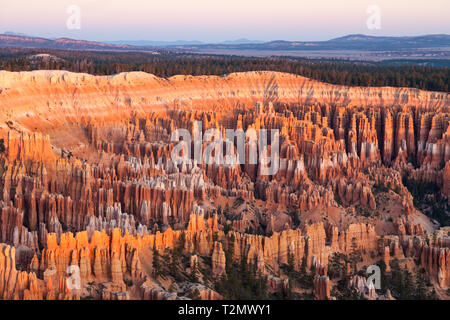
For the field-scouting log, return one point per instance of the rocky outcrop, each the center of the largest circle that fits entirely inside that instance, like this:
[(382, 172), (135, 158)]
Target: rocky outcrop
[(446, 178), (218, 260), (364, 288), (23, 285), (322, 288), (435, 260)]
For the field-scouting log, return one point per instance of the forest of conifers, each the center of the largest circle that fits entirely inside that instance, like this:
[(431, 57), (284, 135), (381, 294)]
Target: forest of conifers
[(166, 64)]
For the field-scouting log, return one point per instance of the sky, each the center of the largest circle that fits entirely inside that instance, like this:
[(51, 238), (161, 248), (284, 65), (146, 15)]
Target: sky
[(219, 20)]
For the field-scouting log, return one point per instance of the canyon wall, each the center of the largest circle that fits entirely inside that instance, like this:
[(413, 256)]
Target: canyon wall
[(54, 99)]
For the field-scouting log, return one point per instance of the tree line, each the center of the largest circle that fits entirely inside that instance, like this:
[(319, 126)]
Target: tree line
[(167, 64)]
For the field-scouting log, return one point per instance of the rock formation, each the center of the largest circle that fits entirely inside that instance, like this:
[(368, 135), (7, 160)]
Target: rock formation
[(88, 181)]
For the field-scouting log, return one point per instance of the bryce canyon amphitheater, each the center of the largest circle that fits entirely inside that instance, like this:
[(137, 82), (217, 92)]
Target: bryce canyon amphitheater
[(88, 183)]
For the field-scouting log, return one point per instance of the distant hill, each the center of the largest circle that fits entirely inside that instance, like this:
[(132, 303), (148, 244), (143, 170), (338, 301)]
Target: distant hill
[(18, 41), (350, 42), (179, 42), (241, 41), (12, 33), (147, 43)]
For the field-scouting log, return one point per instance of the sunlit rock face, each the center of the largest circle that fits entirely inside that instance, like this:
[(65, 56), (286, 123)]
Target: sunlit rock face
[(88, 180)]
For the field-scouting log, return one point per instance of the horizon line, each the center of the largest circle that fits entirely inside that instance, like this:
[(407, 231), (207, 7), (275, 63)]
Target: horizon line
[(19, 34)]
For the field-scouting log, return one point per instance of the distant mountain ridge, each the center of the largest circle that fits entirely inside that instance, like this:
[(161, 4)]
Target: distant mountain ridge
[(349, 42), (180, 42), (19, 41), (151, 43)]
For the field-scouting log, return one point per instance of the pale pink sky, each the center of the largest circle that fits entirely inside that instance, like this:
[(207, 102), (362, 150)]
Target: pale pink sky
[(214, 20)]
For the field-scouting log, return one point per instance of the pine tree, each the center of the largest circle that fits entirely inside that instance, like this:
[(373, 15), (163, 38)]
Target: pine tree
[(195, 295), (303, 266), (420, 290), (355, 256), (291, 263), (194, 273), (156, 264), (383, 277), (229, 252), (174, 266), (433, 295)]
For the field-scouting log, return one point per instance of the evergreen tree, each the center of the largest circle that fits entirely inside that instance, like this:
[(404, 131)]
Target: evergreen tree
[(355, 256), (195, 295), (194, 273), (156, 264), (229, 252), (383, 276), (421, 289), (174, 265), (169, 64), (291, 263)]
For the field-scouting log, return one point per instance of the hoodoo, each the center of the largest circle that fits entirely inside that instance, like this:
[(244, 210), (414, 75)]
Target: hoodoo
[(90, 193)]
